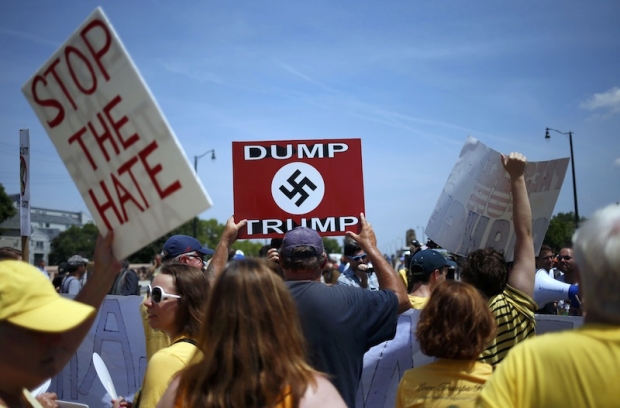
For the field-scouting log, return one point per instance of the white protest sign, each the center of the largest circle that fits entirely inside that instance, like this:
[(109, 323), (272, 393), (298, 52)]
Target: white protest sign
[(474, 209), (110, 133)]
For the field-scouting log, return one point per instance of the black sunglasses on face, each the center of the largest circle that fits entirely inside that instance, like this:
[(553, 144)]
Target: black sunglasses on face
[(564, 258)]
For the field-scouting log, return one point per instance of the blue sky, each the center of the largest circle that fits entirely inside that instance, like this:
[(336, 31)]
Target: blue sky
[(411, 79)]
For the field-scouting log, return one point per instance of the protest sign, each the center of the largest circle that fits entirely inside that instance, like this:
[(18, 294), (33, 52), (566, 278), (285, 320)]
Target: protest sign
[(117, 335), (279, 185), (115, 142), (474, 209)]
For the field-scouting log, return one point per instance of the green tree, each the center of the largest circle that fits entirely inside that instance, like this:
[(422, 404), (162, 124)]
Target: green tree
[(74, 241), (561, 229), (331, 246), (249, 248), (6, 206)]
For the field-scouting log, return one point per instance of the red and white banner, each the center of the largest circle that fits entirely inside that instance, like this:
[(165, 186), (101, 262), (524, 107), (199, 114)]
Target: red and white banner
[(475, 207), (279, 185), (118, 147)]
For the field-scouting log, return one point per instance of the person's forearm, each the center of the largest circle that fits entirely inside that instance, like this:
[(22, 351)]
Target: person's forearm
[(521, 210), (220, 257), (387, 278)]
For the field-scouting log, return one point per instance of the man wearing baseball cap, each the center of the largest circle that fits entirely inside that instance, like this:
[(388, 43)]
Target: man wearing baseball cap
[(41, 330), (186, 250), (428, 268)]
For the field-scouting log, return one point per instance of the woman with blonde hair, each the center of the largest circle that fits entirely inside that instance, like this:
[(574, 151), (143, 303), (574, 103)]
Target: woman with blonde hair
[(253, 349), (455, 326)]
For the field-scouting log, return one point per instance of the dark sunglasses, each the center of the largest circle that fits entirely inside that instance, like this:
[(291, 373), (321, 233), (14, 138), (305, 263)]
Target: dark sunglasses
[(564, 258), (358, 258), (157, 294)]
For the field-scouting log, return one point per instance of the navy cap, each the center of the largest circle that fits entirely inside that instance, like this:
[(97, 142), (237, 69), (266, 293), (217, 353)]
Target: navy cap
[(182, 244), (299, 237), (426, 261)]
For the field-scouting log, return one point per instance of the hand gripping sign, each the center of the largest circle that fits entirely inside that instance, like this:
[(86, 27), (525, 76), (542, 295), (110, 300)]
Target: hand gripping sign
[(279, 185), (474, 209), (117, 146)]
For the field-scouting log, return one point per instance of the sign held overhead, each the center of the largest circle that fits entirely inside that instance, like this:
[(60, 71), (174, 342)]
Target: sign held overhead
[(279, 185), (119, 149)]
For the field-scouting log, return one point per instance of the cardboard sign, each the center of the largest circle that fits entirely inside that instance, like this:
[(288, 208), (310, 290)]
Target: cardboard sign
[(474, 209), (117, 146), (279, 185)]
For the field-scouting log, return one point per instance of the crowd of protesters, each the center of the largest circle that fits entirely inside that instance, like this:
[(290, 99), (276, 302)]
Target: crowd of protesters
[(291, 329)]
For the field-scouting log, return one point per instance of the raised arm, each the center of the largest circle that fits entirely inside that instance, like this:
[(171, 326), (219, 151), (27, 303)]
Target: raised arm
[(220, 257), (386, 276), (524, 270), (94, 291)]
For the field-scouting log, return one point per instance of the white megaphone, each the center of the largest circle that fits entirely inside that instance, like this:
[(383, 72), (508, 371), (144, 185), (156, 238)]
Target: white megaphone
[(547, 289)]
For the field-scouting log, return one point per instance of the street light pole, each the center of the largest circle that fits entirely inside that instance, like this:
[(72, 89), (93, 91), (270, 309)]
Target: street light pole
[(572, 163), (212, 151)]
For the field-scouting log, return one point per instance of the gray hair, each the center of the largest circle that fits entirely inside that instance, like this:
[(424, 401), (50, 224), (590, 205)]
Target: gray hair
[(597, 252)]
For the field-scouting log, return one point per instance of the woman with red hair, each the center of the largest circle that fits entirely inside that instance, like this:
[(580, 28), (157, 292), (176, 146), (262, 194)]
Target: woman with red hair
[(455, 326)]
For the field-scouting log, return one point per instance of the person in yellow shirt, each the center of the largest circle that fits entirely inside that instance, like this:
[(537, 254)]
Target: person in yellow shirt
[(573, 368), (454, 326), (428, 268)]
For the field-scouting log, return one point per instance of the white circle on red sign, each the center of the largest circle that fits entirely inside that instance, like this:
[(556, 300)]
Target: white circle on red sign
[(298, 188)]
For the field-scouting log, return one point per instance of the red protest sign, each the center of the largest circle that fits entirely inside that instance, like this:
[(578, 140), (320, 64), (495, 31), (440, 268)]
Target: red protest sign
[(279, 185)]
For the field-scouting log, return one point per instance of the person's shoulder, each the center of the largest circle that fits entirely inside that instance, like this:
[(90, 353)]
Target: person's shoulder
[(322, 394)]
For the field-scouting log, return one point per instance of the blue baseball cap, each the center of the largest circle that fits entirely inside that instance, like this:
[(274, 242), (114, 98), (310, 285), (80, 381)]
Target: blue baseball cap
[(426, 261), (301, 237), (182, 244)]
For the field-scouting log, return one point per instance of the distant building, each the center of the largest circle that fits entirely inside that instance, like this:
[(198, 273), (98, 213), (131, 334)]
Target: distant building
[(45, 225)]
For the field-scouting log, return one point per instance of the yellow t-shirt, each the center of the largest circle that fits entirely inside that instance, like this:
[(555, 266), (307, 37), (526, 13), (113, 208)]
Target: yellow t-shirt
[(418, 302), (162, 367), (443, 383), (573, 368)]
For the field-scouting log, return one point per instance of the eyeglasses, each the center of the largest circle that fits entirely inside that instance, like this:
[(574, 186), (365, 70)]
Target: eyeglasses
[(201, 257), (564, 258), (358, 258), (547, 257), (157, 294)]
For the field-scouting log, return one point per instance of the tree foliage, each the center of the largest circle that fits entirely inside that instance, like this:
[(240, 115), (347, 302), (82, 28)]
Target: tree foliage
[(331, 246), (74, 241), (560, 231), (7, 210)]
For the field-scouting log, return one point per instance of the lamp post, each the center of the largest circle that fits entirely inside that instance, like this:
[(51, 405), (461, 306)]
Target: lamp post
[(572, 164), (212, 151)]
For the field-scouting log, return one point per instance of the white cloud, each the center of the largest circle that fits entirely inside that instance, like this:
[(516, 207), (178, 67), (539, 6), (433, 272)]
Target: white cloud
[(609, 100), (617, 162)]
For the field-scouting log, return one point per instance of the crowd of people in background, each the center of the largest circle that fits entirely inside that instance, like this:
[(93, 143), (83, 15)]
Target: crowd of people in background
[(290, 328)]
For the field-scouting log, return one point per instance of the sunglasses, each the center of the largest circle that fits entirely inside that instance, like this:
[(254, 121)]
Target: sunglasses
[(201, 257), (157, 294), (358, 258), (564, 258)]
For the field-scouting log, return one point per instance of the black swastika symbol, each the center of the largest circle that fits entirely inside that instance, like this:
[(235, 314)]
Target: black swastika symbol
[(298, 188)]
